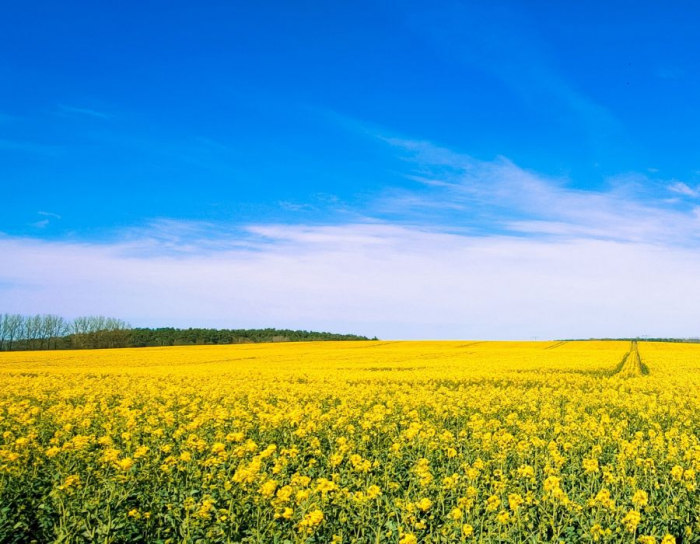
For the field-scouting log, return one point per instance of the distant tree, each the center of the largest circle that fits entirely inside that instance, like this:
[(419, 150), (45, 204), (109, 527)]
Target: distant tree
[(53, 327), (33, 331), (17, 329), (4, 331)]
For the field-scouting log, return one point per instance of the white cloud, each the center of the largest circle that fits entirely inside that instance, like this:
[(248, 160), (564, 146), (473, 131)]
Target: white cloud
[(379, 279)]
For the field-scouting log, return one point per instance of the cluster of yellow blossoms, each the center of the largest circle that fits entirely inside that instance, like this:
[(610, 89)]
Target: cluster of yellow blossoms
[(400, 442)]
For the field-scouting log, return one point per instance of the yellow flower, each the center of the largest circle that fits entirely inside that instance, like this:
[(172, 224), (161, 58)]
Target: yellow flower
[(503, 517), (551, 484), (373, 491), (677, 473), (336, 459), (125, 464), (424, 504), (590, 465), (603, 499), (311, 520), (526, 471), (206, 509), (268, 488), (631, 520), (284, 493), (325, 486), (287, 513), (456, 514), (640, 498), (141, 451), (450, 482), (302, 495), (71, 481), (493, 503), (515, 501)]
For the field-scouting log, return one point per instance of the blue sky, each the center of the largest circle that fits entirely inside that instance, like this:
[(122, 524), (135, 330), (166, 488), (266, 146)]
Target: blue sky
[(231, 138)]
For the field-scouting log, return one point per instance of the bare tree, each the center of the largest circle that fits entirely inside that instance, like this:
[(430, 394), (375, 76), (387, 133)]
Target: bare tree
[(12, 331), (99, 332), (46, 327), (3, 331), (53, 327), (33, 331), (79, 329), (118, 332), (46, 330), (16, 329)]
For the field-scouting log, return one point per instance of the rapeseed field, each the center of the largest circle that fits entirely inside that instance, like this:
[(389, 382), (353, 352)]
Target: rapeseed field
[(377, 442)]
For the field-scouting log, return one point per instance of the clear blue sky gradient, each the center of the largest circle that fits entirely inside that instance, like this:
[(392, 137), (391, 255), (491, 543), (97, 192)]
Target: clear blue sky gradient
[(113, 114), (405, 169)]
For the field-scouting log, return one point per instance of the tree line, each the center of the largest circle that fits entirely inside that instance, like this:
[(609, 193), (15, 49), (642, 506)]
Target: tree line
[(169, 336), (48, 331)]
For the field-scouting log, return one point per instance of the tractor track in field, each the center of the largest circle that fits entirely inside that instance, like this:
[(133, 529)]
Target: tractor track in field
[(631, 365), (557, 344), (469, 344), (376, 345)]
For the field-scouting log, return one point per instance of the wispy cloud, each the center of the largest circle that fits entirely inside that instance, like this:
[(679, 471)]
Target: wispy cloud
[(48, 217), (683, 189), (294, 206), (50, 214), (176, 238), (499, 195), (88, 112)]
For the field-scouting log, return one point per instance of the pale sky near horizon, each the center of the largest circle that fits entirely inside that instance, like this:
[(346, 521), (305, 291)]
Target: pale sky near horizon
[(501, 170)]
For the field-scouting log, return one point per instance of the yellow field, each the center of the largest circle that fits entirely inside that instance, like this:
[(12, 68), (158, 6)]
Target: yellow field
[(352, 442)]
